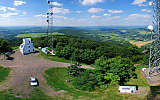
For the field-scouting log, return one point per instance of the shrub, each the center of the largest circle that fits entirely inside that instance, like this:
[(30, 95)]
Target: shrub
[(85, 81)]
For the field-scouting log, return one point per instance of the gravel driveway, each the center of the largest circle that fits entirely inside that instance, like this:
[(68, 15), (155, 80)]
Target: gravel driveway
[(24, 66)]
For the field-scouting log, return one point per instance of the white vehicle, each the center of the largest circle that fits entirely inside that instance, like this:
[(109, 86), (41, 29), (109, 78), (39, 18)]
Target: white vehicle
[(33, 81)]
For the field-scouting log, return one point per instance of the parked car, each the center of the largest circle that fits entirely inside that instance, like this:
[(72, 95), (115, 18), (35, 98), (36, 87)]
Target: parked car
[(33, 81)]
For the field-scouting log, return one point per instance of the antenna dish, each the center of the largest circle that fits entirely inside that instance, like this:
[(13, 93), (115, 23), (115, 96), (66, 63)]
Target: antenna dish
[(150, 3), (150, 28)]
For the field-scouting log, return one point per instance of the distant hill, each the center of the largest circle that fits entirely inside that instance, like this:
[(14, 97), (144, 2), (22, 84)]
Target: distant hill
[(96, 33)]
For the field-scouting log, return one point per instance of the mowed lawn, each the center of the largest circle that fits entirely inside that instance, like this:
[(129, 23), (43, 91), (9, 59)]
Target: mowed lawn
[(4, 73), (56, 78), (36, 95)]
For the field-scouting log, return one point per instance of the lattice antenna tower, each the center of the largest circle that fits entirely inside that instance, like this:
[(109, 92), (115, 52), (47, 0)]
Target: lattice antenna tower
[(154, 60), (50, 17)]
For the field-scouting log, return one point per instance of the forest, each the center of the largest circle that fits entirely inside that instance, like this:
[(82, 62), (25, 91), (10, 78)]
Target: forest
[(114, 62), (87, 51)]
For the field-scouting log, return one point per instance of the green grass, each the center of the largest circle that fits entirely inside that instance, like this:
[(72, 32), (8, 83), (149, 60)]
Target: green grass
[(37, 34), (56, 78), (58, 59), (15, 48), (3, 73), (54, 58), (143, 32), (36, 95), (140, 81)]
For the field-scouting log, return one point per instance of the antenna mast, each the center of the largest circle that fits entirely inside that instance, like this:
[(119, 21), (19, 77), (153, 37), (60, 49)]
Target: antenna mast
[(154, 60), (50, 23)]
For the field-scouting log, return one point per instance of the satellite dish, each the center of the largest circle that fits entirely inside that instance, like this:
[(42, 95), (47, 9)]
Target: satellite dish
[(150, 28), (150, 3)]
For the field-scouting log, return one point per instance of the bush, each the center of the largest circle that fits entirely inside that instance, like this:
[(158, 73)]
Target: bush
[(85, 81), (74, 70)]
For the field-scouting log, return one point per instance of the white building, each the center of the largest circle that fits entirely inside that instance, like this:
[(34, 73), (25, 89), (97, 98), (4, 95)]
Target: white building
[(27, 47), (127, 89)]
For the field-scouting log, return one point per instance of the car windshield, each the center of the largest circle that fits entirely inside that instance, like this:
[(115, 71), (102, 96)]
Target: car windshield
[(33, 81)]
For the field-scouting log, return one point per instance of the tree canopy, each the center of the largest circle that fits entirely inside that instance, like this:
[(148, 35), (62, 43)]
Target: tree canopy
[(4, 46)]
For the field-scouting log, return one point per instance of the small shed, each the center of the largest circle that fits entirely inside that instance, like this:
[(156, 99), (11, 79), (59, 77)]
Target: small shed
[(127, 89), (45, 50)]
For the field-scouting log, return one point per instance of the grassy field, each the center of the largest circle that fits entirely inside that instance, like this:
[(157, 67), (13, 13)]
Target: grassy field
[(3, 73), (37, 35), (139, 43), (36, 95), (56, 78), (141, 81)]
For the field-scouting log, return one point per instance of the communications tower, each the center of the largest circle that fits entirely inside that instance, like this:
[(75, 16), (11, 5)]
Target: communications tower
[(154, 59), (50, 16)]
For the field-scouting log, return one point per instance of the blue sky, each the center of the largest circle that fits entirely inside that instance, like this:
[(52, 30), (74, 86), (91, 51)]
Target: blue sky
[(76, 12)]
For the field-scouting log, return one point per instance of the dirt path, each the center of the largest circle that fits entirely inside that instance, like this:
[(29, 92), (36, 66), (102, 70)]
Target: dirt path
[(24, 66)]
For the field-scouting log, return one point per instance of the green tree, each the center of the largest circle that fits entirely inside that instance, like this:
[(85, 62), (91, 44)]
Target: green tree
[(66, 52), (112, 78), (122, 68), (88, 56), (4, 46)]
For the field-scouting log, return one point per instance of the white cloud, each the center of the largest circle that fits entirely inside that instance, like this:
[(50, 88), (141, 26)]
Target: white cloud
[(56, 4), (138, 19), (146, 10), (59, 10), (40, 15), (4, 9), (8, 14), (12, 9), (115, 11), (90, 2), (142, 5), (137, 16), (18, 3), (95, 10), (78, 12), (139, 2), (94, 16), (140, 15), (113, 18), (107, 15), (63, 17)]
